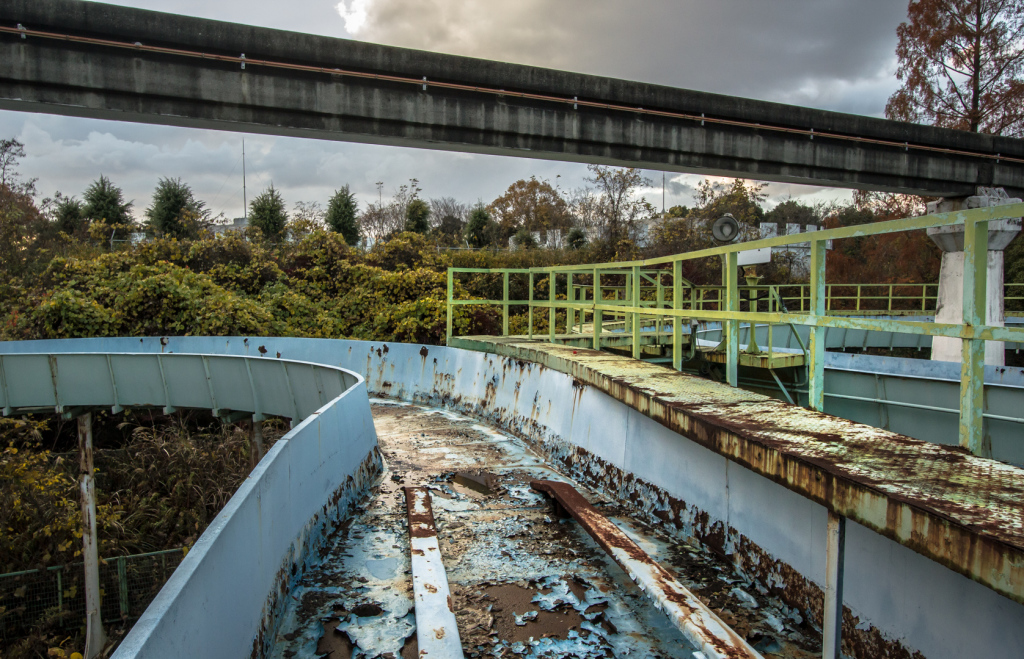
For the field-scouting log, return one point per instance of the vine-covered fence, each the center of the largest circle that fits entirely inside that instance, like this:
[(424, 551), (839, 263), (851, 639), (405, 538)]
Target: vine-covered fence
[(55, 595)]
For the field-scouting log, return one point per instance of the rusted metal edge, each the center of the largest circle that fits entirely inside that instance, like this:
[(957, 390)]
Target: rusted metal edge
[(984, 549), (698, 623), (437, 633)]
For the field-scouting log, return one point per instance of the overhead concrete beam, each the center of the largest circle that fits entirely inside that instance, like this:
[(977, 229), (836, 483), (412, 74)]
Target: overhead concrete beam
[(289, 87)]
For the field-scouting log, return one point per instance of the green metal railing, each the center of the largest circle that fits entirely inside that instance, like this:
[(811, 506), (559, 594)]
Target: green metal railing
[(57, 594), (653, 291)]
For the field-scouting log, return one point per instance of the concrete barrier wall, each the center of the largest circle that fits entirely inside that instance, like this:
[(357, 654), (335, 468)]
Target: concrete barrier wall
[(225, 598), (900, 601)]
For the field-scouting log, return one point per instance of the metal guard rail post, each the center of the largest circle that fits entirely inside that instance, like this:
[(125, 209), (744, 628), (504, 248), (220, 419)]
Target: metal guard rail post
[(973, 331)]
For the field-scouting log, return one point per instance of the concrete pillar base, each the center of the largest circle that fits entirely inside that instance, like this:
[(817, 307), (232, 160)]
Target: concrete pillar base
[(950, 305)]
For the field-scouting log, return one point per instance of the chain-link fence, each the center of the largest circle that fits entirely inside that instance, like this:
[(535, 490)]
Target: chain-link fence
[(56, 595)]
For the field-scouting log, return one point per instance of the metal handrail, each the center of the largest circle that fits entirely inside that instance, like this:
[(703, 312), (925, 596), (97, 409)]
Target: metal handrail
[(815, 304)]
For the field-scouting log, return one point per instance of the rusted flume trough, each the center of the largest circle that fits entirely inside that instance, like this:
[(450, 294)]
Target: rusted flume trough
[(756, 507)]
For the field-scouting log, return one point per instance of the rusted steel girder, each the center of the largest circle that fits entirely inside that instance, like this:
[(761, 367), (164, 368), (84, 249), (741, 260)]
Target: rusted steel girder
[(437, 633), (698, 623)]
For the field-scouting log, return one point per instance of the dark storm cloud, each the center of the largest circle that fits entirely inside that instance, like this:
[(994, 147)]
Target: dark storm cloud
[(827, 53)]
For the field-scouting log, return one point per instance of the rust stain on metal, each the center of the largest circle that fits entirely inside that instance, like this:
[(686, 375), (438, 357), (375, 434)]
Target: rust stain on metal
[(339, 505), (723, 640), (421, 519), (779, 578), (959, 510)]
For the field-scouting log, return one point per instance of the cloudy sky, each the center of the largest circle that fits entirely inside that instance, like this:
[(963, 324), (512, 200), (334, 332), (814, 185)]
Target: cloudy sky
[(829, 54)]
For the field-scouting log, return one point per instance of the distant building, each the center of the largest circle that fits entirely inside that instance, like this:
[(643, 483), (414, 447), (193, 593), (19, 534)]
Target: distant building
[(237, 224), (801, 251), (550, 239)]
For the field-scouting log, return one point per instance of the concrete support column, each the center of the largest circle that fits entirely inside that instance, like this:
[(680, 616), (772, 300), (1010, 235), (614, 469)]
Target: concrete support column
[(95, 638), (950, 239)]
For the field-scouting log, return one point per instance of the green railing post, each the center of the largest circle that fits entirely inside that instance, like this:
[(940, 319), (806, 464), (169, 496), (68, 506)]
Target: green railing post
[(60, 591), (570, 311), (627, 299), (598, 314), (583, 312), (677, 322), (972, 371), (448, 330), (730, 274), (816, 363), (635, 314), (530, 312), (122, 585), (660, 303), (504, 304), (552, 284)]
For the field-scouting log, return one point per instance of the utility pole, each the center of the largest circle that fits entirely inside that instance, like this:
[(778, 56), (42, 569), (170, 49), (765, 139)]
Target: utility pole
[(380, 193), (245, 201), (663, 193)]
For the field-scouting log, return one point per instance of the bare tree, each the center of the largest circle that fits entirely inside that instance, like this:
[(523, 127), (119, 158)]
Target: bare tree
[(381, 220), (619, 206), (307, 217), (11, 151), (447, 207), (962, 65), (448, 219), (586, 208), (375, 223)]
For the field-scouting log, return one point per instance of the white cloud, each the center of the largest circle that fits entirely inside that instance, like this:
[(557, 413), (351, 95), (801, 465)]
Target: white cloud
[(353, 12)]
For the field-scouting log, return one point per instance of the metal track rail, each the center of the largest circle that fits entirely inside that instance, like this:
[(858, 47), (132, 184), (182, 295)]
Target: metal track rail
[(437, 633)]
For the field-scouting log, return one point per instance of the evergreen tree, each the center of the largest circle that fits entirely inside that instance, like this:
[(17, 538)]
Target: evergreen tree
[(342, 215), (417, 217), (525, 239), (477, 228), (175, 211), (104, 202), (68, 215), (267, 213), (576, 238)]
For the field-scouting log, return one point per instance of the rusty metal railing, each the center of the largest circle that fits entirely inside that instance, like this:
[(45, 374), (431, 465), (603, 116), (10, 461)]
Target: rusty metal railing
[(654, 291)]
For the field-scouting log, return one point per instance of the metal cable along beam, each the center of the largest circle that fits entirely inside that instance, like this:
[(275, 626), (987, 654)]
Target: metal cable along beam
[(423, 83), (634, 311), (74, 384)]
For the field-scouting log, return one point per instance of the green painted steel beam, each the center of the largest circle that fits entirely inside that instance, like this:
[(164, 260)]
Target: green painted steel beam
[(816, 353), (635, 317), (730, 277), (643, 278), (972, 370), (861, 230)]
